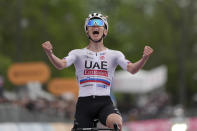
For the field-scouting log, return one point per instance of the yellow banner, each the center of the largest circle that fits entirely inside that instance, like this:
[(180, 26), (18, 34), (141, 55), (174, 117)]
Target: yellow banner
[(59, 86), (22, 73)]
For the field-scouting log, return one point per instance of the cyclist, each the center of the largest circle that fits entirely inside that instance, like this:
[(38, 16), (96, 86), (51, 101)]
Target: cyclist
[(95, 66)]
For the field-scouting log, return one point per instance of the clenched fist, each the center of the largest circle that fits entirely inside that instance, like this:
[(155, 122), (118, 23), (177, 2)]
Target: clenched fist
[(47, 46), (147, 51)]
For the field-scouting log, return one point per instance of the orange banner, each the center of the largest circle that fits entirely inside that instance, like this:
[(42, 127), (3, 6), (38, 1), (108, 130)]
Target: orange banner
[(59, 86), (22, 73)]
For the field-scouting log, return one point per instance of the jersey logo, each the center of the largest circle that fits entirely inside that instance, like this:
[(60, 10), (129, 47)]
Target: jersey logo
[(96, 65), (90, 53), (101, 85), (102, 57), (102, 53), (96, 72), (88, 57), (87, 85)]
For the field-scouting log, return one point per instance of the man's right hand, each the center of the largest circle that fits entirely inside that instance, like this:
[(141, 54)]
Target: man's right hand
[(47, 46)]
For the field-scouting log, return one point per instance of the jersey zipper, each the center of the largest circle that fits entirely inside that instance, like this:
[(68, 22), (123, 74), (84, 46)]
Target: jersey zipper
[(95, 78)]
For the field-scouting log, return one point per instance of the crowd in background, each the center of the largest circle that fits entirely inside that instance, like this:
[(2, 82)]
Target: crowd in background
[(61, 108), (147, 106), (41, 107)]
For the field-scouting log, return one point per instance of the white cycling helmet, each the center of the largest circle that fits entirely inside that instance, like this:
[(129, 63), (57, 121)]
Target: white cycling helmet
[(96, 15)]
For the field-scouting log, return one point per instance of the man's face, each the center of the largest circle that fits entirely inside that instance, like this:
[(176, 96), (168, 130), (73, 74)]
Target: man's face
[(95, 32), (96, 29)]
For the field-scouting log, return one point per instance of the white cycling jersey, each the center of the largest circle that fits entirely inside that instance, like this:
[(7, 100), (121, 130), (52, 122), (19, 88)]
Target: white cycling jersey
[(95, 70)]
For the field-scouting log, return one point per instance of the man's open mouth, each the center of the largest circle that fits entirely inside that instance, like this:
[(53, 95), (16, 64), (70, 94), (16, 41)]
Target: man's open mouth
[(95, 32)]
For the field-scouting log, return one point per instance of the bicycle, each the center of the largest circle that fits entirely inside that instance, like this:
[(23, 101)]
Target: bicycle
[(94, 128)]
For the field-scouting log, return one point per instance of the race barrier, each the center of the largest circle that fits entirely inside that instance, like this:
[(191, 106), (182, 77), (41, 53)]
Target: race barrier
[(150, 125), (190, 124), (35, 126), (145, 125)]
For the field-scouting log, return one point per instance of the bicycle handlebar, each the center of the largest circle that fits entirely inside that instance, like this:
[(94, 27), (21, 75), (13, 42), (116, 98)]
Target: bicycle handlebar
[(116, 128)]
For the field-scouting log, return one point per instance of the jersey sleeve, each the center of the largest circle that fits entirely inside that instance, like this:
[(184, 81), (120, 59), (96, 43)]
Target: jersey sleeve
[(122, 61), (71, 58)]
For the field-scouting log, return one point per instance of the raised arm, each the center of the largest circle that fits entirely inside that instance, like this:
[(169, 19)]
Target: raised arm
[(57, 62), (135, 67)]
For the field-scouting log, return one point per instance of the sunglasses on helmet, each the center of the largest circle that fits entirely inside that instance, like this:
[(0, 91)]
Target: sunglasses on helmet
[(95, 22)]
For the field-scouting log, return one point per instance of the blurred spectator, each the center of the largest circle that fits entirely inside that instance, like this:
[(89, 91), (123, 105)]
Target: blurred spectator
[(60, 108), (1, 87), (152, 105)]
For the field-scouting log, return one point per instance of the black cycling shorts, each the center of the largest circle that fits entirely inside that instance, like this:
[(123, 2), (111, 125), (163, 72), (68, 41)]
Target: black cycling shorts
[(93, 107)]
